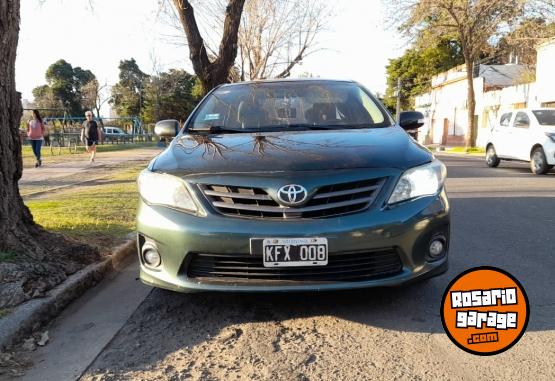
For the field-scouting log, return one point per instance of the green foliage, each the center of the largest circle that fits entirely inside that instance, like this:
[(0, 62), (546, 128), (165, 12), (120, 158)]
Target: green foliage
[(128, 94), (170, 95), (44, 98), (63, 88), (89, 95), (477, 150), (416, 67), (198, 91)]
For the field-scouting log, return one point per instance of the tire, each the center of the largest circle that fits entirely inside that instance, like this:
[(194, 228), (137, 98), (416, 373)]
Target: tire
[(492, 160), (538, 162)]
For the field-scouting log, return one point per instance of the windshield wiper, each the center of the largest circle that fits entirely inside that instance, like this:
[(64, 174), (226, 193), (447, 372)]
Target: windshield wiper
[(308, 126), (217, 129), (328, 126)]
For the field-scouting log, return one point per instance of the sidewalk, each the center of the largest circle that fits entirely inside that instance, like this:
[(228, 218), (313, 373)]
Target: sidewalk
[(79, 163), (84, 329), (78, 170)]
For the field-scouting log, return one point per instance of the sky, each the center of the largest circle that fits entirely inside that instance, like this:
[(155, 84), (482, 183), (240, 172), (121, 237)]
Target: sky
[(356, 44)]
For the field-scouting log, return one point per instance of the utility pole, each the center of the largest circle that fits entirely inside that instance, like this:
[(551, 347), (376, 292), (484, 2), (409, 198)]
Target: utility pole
[(398, 93)]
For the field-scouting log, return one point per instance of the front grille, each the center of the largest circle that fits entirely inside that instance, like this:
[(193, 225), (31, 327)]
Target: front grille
[(327, 201), (345, 267)]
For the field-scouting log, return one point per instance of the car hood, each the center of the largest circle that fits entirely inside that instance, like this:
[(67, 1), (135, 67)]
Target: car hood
[(291, 151)]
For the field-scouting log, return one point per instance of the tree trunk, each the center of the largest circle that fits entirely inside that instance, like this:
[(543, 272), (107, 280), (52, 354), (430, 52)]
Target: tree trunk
[(18, 232), (470, 140), (43, 259), (211, 74), (16, 222)]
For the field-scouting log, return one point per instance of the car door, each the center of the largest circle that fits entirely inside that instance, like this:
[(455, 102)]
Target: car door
[(500, 134), (520, 136)]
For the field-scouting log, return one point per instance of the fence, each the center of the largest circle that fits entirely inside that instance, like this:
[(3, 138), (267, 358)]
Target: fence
[(71, 140)]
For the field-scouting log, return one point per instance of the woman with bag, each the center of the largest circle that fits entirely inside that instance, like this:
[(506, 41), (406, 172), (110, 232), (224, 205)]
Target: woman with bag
[(35, 133)]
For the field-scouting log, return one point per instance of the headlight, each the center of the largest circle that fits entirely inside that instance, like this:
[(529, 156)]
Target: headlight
[(162, 189), (425, 180), (551, 135)]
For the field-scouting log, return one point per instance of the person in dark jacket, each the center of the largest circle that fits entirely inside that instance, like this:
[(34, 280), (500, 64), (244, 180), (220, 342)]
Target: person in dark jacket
[(91, 134)]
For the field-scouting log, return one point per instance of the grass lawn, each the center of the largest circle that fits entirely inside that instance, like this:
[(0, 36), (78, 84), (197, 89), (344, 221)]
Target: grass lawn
[(466, 150), (29, 158), (100, 212)]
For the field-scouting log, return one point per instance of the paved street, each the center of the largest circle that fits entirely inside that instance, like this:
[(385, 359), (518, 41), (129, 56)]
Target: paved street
[(503, 217)]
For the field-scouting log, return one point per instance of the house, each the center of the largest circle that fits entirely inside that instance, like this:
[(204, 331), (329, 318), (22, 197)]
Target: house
[(496, 87), (544, 74)]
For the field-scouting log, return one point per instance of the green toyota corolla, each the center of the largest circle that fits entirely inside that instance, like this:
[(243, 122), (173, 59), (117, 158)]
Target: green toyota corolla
[(291, 185)]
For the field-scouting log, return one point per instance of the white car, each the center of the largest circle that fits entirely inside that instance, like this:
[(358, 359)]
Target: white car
[(115, 133), (525, 135)]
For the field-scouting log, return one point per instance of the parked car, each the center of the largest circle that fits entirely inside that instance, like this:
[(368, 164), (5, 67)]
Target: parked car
[(115, 134), (291, 185), (525, 135)]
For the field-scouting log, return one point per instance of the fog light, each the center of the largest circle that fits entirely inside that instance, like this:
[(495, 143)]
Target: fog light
[(152, 257), (436, 248)]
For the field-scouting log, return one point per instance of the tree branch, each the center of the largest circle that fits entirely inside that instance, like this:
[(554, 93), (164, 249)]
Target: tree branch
[(228, 45), (197, 50)]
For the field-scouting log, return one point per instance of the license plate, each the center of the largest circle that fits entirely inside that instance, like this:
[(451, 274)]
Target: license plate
[(292, 252)]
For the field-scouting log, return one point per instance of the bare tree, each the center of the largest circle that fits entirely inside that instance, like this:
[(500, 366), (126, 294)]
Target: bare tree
[(474, 22), (95, 95), (211, 72), (520, 45), (276, 35)]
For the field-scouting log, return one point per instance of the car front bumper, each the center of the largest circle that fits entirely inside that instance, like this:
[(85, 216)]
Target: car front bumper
[(407, 227)]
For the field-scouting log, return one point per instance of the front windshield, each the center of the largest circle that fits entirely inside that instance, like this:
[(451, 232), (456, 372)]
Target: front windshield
[(545, 117), (290, 104)]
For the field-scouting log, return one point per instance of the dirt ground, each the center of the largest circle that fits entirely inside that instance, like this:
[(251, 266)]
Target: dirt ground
[(23, 277), (364, 335)]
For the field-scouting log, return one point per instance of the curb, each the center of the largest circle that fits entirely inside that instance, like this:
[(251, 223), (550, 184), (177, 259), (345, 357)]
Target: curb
[(33, 314), (467, 154)]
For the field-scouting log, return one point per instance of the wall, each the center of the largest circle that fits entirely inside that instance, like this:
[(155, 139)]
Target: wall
[(446, 103), (545, 70)]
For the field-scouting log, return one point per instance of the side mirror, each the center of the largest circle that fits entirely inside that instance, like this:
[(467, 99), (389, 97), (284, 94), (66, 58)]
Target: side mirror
[(167, 128), (411, 120)]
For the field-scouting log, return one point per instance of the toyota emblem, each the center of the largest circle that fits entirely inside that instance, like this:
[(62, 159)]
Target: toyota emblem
[(292, 194)]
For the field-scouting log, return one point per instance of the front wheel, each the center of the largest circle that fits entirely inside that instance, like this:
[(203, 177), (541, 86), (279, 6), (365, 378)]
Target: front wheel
[(492, 160), (538, 162)]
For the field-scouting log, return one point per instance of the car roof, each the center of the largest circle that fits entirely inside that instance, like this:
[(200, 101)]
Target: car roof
[(281, 80), (527, 109)]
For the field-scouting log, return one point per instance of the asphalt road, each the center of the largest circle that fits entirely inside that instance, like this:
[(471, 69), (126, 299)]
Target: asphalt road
[(503, 217)]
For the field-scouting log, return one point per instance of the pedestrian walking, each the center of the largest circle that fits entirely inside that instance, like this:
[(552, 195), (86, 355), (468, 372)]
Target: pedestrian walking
[(35, 133), (91, 134)]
